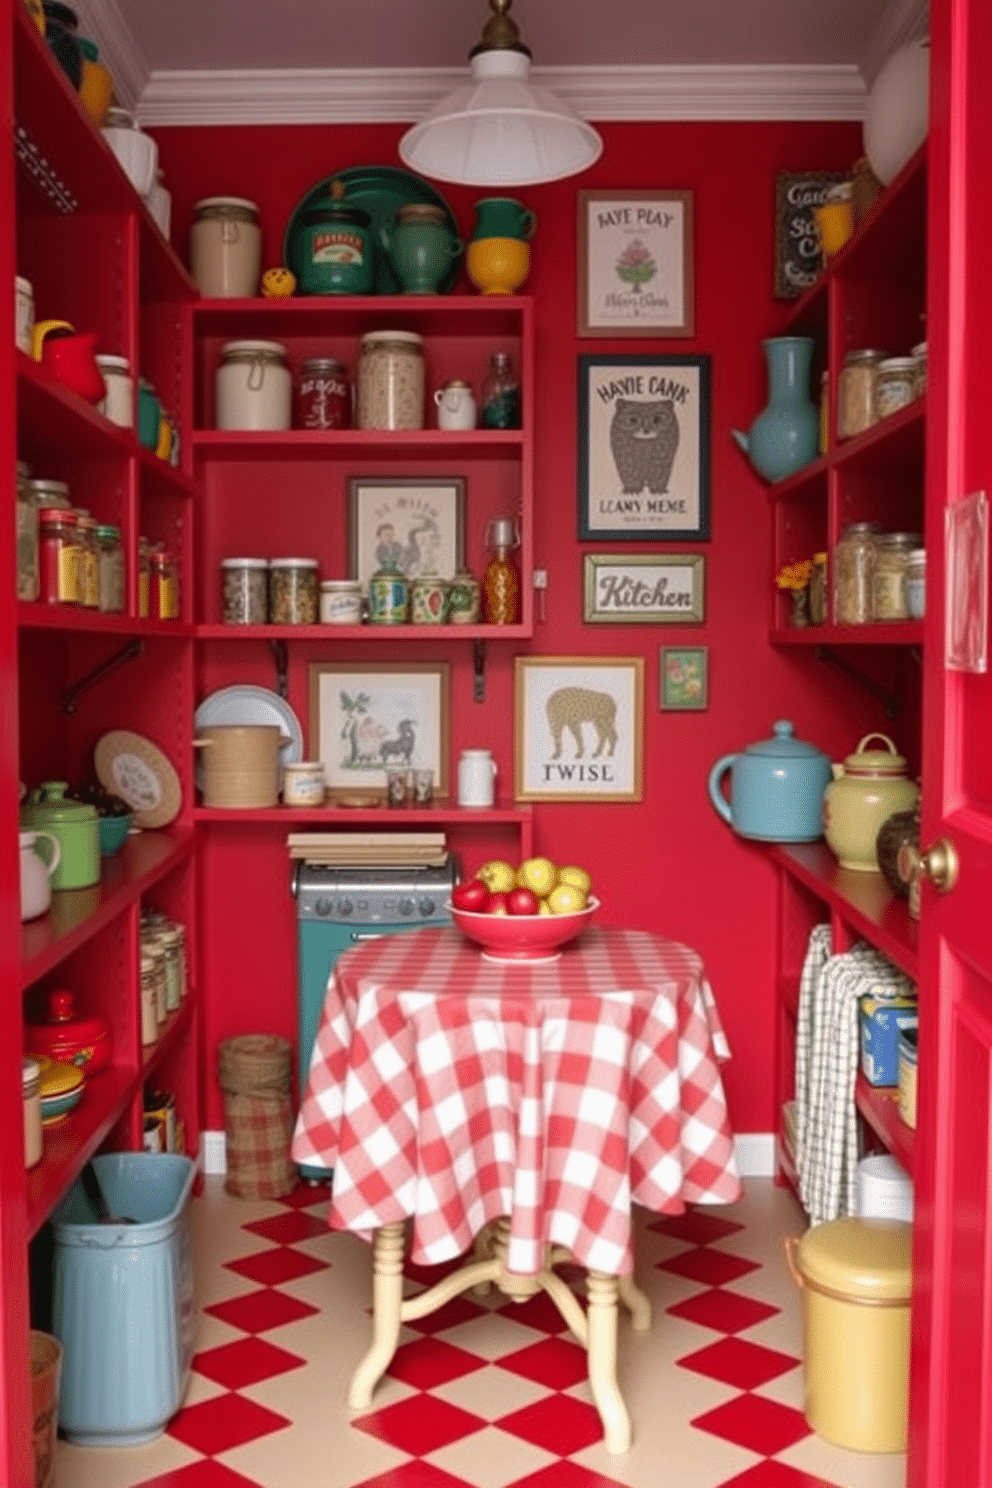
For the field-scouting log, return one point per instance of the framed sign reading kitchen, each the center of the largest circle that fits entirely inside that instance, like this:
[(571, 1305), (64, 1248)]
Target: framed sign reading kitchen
[(643, 588), (578, 726), (635, 263), (644, 448)]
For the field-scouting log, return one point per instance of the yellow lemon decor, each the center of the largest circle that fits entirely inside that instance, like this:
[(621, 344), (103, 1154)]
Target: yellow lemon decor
[(278, 284)]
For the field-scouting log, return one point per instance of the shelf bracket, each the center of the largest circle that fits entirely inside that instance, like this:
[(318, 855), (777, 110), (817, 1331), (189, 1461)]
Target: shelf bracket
[(479, 677), (282, 667), (129, 652), (892, 702)]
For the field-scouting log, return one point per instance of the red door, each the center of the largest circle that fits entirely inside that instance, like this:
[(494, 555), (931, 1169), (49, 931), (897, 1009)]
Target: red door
[(951, 1406)]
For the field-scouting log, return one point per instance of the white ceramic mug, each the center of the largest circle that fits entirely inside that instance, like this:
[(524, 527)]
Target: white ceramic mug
[(455, 406), (36, 874), (476, 778)]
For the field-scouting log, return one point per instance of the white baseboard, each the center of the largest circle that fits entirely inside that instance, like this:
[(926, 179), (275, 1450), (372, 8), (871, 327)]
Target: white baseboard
[(755, 1153)]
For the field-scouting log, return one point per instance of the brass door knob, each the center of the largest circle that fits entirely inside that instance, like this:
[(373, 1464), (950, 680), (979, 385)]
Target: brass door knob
[(939, 864)]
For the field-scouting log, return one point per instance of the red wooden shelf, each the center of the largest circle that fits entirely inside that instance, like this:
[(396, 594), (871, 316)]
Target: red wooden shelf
[(77, 915), (352, 315), (73, 619), (894, 442), (895, 633), (335, 633), (336, 818), (879, 1105), (863, 900), (378, 444)]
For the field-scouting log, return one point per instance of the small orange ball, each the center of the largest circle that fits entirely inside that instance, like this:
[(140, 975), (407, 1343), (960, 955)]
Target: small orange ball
[(278, 284)]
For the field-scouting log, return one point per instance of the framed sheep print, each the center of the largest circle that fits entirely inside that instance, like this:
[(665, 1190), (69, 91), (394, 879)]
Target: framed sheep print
[(635, 263), (368, 716), (644, 448), (578, 728)]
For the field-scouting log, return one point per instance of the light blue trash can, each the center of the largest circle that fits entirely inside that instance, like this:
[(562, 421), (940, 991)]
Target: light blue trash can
[(123, 1306)]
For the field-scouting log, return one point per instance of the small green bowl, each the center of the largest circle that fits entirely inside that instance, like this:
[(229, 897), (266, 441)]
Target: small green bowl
[(113, 834)]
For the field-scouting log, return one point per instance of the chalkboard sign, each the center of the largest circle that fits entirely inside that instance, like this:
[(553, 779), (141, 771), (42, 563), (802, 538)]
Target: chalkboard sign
[(798, 260)]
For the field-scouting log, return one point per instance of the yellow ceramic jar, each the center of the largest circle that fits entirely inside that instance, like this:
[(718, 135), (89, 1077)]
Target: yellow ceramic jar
[(866, 790), (497, 266)]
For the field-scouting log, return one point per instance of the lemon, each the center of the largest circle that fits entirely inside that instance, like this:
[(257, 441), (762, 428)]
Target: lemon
[(498, 876), (578, 877), (537, 874), (566, 899)]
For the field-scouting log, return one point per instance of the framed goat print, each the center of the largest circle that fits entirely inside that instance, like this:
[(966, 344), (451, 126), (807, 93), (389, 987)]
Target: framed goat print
[(578, 728), (635, 273), (413, 526), (368, 716), (644, 448)]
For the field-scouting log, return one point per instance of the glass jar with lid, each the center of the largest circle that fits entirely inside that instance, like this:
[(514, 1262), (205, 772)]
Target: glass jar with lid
[(144, 578), (919, 355), (28, 580), (391, 381), (323, 394), (87, 562), (500, 394), (916, 583), (59, 555), (856, 392), (818, 590), (225, 247), (853, 563), (244, 591), (164, 586), (50, 493), (254, 386), (895, 385), (888, 580), (110, 553), (294, 591)]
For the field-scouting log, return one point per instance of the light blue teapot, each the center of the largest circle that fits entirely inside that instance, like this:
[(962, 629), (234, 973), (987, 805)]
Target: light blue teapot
[(776, 788)]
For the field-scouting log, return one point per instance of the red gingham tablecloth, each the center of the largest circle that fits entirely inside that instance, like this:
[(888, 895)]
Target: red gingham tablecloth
[(451, 1089)]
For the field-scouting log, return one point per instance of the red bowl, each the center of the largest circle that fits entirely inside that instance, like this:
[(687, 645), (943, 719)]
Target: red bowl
[(523, 937)]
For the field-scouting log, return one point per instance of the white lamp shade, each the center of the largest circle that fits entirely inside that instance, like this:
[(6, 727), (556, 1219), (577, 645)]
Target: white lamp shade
[(897, 116), (500, 130)]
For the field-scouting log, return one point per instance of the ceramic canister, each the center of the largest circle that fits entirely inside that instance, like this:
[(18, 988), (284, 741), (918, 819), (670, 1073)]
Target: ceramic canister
[(428, 601), (476, 778), (340, 602), (303, 783), (254, 386), (117, 403), (225, 246), (335, 250), (75, 826), (389, 599), (455, 405), (70, 1037), (421, 246), (36, 872)]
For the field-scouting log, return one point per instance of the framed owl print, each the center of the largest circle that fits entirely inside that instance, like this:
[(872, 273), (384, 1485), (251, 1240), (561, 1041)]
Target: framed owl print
[(644, 448)]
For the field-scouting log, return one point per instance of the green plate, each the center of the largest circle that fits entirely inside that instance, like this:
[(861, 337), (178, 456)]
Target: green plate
[(378, 190)]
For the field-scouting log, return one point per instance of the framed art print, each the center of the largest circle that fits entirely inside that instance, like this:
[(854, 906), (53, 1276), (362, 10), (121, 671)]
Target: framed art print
[(414, 526), (643, 588), (683, 680), (635, 273), (644, 448), (368, 716), (578, 728)]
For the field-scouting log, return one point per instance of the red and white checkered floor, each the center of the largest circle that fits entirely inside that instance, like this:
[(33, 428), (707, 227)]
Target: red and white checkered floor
[(485, 1393)]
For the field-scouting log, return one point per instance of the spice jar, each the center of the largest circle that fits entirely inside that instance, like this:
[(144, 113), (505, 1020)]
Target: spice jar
[(919, 355), (144, 578), (87, 562), (888, 581), (853, 560), (916, 583), (500, 394), (818, 590), (31, 1087), (149, 999), (294, 591), (225, 244), (323, 395), (59, 555), (856, 392), (164, 584), (341, 602), (391, 381), (117, 403), (254, 386), (823, 438), (51, 493), (894, 385), (28, 579), (23, 314), (110, 558), (244, 591)]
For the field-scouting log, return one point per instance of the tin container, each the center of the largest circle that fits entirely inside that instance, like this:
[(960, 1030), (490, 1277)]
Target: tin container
[(149, 1009), (160, 1112), (428, 601), (907, 1075), (389, 599), (336, 251), (464, 599), (340, 602), (72, 1037)]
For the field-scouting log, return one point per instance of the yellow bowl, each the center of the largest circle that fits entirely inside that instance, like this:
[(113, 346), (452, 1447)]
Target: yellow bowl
[(497, 265)]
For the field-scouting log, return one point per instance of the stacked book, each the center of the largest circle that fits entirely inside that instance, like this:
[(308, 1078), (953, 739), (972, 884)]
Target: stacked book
[(358, 849)]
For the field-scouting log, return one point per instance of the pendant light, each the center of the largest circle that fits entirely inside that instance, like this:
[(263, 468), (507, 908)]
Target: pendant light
[(500, 129)]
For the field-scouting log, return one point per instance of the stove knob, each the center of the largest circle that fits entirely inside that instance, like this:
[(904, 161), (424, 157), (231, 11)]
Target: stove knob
[(345, 907), (425, 908), (405, 907), (322, 907)]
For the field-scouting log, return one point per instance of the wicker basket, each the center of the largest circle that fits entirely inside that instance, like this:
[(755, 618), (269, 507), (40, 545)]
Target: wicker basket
[(255, 1072)]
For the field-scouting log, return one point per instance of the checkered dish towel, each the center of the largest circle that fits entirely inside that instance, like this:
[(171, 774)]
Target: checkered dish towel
[(827, 1046)]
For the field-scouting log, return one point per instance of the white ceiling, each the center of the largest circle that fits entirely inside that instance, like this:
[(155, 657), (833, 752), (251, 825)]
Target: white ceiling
[(203, 61)]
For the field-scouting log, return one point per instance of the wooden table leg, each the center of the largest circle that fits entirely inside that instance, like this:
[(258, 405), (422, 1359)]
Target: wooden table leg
[(387, 1299), (636, 1303), (601, 1318)]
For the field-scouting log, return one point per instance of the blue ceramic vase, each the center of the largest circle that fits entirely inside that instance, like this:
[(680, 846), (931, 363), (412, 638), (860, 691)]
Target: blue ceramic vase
[(784, 436)]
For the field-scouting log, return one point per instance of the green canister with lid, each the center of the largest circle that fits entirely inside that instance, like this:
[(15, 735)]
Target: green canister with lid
[(76, 828)]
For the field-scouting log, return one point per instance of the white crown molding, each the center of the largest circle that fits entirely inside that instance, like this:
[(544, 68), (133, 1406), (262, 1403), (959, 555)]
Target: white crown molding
[(107, 23), (392, 95), (902, 22)]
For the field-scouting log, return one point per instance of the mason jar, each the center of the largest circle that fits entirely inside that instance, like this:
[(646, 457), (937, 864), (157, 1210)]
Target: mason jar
[(244, 591), (888, 582), (225, 247), (856, 392), (853, 562), (254, 386), (895, 385), (294, 591), (391, 381)]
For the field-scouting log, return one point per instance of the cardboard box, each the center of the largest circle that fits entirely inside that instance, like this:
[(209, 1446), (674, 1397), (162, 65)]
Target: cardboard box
[(881, 1023)]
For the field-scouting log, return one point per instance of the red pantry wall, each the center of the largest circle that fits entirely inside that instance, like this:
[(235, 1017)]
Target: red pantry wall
[(666, 864)]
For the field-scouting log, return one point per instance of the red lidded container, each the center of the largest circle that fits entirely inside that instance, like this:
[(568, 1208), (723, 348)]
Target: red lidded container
[(82, 1041), (323, 395)]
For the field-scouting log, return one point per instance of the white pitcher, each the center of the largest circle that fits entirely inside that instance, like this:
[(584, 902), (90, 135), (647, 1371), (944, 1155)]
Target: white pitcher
[(455, 405), (36, 888), (476, 778)]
